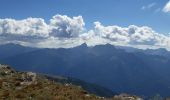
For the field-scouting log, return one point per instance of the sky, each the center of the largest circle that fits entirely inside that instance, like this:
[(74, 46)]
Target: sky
[(69, 19), (109, 12)]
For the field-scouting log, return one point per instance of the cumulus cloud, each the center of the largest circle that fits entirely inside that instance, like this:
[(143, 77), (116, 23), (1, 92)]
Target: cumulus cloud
[(63, 26), (64, 31), (166, 9), (130, 36), (36, 30), (33, 27)]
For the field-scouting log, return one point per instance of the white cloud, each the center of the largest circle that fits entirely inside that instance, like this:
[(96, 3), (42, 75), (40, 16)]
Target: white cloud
[(151, 5), (132, 35), (34, 27), (148, 6), (63, 26), (167, 7), (64, 31)]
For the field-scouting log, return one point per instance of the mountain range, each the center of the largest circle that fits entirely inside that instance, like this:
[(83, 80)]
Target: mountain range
[(120, 69)]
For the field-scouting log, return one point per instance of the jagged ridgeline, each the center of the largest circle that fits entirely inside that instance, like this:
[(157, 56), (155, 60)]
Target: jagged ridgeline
[(32, 86)]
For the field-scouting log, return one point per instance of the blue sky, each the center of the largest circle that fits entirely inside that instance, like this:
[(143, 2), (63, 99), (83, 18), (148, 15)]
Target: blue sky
[(108, 12)]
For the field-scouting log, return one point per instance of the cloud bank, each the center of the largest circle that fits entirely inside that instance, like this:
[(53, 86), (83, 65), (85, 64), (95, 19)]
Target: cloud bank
[(166, 9), (63, 31)]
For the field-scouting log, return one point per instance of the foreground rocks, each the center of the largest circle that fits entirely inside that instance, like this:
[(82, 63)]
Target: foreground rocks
[(30, 86)]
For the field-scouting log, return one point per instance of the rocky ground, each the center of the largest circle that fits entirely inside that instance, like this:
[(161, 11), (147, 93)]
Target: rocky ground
[(16, 85)]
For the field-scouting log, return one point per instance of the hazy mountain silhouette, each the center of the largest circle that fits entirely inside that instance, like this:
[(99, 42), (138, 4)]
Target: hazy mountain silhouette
[(8, 50), (137, 72)]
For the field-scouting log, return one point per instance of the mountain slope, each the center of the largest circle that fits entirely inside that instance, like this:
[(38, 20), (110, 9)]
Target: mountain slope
[(91, 88), (29, 85)]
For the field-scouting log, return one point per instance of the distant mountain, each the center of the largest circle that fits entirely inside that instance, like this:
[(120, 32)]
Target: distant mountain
[(129, 49), (159, 52), (8, 50), (137, 72)]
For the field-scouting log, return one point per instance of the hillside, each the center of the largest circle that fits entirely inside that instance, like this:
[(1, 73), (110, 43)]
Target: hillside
[(26, 85), (91, 88), (30, 86)]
